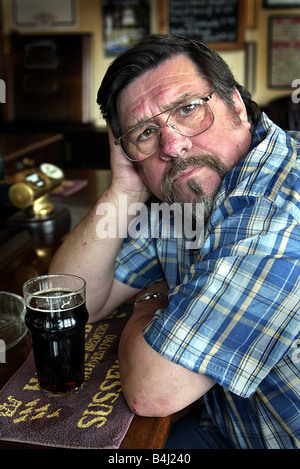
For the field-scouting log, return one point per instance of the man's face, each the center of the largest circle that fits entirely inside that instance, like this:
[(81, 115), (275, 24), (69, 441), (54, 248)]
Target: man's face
[(185, 169)]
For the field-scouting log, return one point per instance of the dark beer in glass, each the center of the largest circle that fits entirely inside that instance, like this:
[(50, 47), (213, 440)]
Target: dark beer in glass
[(56, 317)]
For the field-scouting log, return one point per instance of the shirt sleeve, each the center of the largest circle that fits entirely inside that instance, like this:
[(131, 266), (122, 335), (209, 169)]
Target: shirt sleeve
[(137, 263), (236, 313)]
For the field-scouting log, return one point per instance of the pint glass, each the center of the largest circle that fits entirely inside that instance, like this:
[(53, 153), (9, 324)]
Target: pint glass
[(56, 317)]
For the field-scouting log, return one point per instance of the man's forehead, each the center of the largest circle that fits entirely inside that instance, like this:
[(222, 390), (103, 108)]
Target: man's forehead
[(159, 89), (140, 111)]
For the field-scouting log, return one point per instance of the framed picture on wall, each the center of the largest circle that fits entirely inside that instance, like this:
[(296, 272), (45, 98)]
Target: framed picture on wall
[(124, 23), (283, 50), (281, 3), (42, 14)]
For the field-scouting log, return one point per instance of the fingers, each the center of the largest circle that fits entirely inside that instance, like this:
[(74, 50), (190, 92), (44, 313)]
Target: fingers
[(117, 156), (111, 136)]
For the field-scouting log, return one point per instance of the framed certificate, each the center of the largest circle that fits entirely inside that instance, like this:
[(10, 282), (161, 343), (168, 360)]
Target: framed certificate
[(284, 50)]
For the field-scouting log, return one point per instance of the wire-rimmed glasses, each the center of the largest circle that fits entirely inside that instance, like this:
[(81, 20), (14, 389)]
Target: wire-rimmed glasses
[(189, 118)]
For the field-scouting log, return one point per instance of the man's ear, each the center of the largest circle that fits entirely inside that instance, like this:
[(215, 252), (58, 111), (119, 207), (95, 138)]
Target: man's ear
[(240, 107)]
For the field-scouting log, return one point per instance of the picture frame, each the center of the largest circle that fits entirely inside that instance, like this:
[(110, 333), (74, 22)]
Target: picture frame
[(124, 23), (283, 50), (42, 14), (281, 3)]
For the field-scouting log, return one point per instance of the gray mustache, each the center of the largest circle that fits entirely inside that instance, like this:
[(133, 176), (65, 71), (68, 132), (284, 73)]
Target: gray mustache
[(178, 165)]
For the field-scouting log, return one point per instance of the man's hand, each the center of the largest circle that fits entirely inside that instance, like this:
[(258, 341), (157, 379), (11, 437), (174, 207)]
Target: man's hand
[(125, 177)]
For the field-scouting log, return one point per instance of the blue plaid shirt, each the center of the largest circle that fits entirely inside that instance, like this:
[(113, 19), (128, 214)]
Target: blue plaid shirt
[(234, 303)]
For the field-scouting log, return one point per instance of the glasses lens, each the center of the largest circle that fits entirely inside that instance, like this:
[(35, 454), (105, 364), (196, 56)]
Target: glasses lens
[(141, 142), (191, 118)]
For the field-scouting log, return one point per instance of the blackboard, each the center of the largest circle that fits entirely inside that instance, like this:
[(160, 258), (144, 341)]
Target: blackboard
[(219, 22)]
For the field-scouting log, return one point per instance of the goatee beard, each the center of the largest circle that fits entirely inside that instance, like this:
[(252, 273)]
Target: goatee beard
[(179, 165)]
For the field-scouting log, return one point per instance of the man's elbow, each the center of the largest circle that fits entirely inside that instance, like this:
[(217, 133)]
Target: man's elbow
[(143, 401)]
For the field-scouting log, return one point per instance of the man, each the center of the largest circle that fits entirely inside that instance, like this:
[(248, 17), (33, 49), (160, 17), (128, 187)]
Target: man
[(220, 321)]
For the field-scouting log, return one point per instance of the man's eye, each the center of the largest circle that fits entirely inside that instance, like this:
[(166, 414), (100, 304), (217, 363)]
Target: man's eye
[(147, 133), (188, 108)]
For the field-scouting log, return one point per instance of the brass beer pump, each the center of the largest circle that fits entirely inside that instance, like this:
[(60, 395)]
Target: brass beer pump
[(32, 190), (30, 193)]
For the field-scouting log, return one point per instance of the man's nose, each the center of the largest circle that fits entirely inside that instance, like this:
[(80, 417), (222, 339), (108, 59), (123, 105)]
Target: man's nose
[(173, 144)]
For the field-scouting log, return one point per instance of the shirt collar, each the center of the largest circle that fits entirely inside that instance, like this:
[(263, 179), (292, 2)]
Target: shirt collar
[(262, 134), (259, 132)]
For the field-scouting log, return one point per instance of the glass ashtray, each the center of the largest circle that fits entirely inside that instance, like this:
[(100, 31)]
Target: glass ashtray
[(12, 319)]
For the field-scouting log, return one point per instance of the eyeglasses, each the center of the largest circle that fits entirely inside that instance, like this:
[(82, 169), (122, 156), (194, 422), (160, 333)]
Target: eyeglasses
[(190, 118)]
